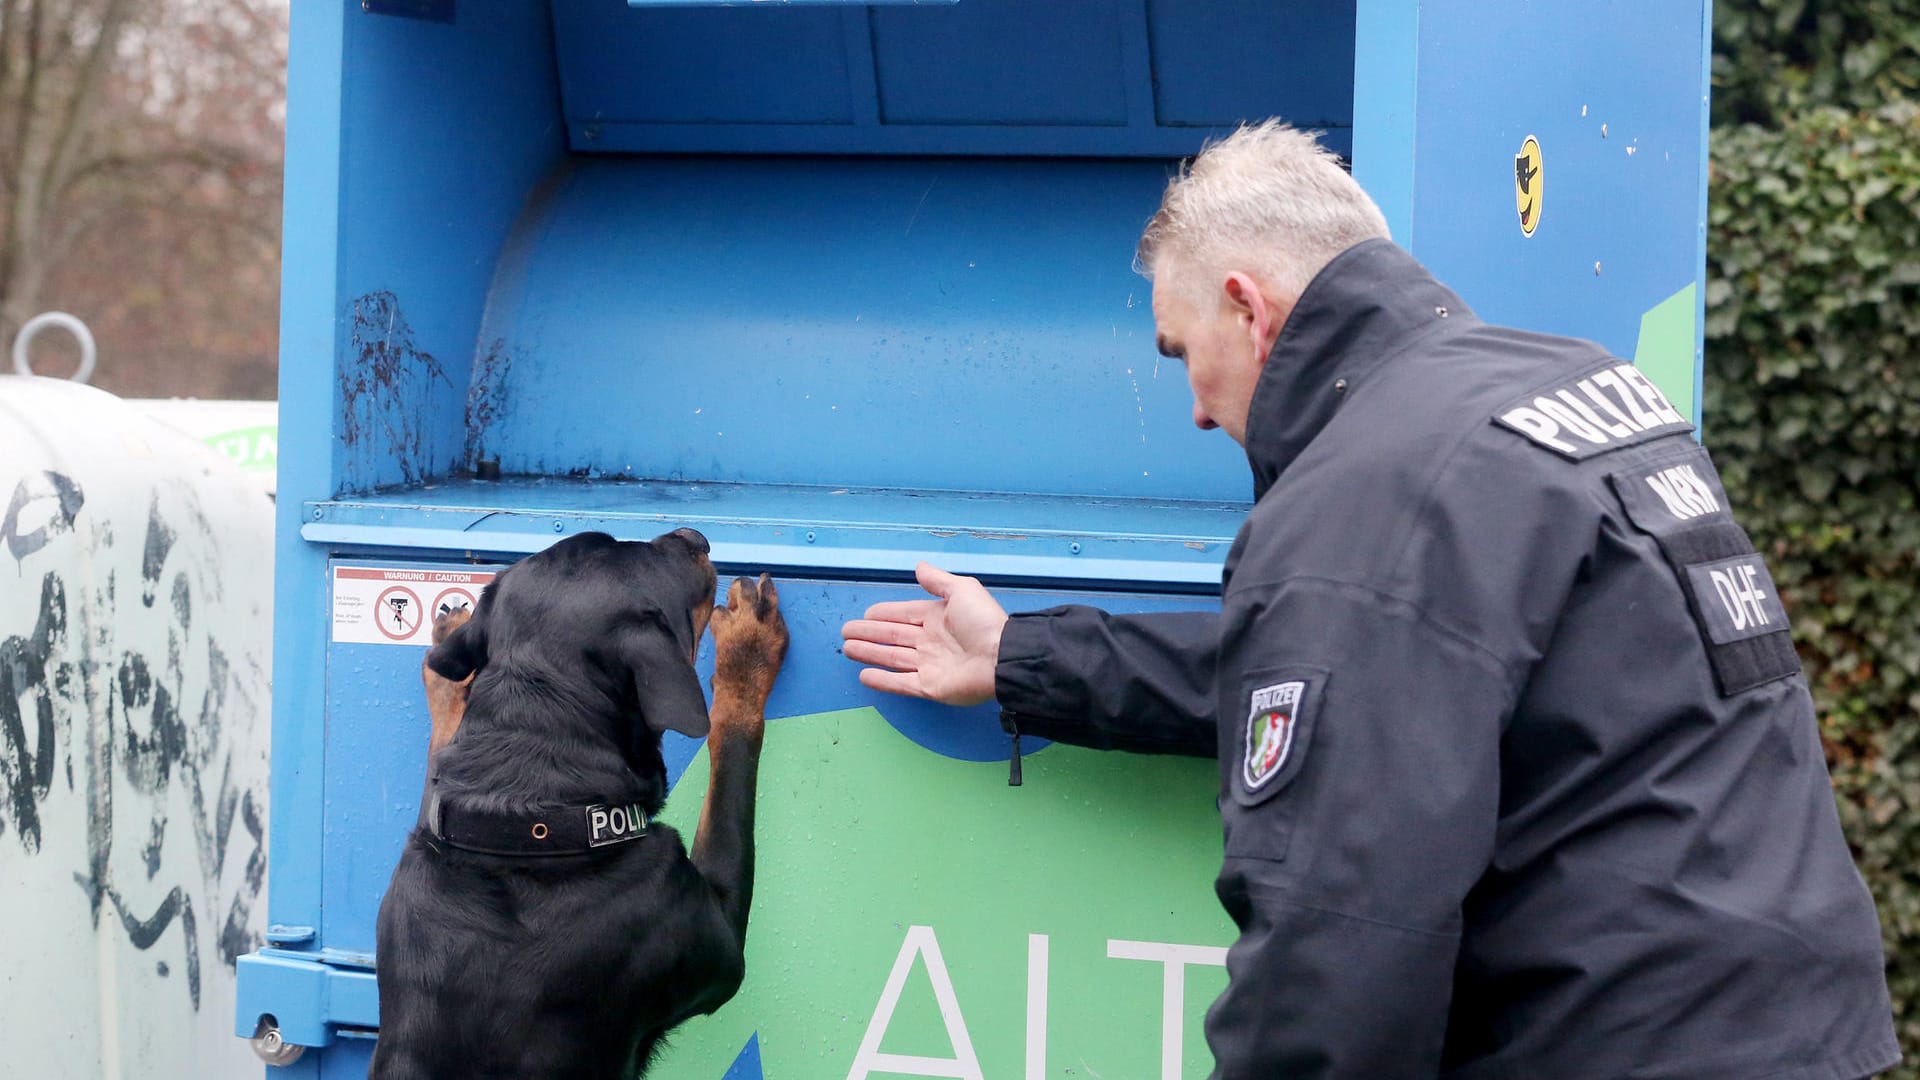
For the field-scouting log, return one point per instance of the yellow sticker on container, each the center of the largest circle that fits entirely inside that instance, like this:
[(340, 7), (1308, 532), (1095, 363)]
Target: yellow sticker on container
[(1528, 185)]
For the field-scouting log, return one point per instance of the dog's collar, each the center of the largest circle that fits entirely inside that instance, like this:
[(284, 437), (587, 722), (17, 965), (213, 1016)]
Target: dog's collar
[(566, 830)]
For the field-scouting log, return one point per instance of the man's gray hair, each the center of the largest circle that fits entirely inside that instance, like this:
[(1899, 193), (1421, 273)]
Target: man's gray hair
[(1268, 200)]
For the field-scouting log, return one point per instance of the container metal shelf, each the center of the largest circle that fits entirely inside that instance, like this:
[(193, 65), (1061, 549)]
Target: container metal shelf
[(809, 529)]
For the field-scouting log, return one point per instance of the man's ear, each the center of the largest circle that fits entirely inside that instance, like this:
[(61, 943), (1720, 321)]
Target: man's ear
[(664, 681), (1257, 311), (463, 652)]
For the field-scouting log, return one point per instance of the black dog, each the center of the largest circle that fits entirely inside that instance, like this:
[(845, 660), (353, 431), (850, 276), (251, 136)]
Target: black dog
[(539, 924)]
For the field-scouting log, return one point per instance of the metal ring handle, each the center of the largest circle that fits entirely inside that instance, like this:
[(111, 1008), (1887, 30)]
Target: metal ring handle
[(71, 325)]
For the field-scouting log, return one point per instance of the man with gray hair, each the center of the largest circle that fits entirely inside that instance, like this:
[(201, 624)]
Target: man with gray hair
[(1520, 776)]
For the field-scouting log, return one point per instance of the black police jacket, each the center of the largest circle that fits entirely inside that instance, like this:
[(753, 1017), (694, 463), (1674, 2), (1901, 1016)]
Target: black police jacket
[(1519, 773)]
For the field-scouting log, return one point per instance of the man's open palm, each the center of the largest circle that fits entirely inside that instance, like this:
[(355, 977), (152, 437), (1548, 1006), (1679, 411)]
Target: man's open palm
[(943, 649)]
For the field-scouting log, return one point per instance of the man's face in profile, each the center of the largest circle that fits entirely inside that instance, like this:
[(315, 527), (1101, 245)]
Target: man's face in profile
[(1213, 331)]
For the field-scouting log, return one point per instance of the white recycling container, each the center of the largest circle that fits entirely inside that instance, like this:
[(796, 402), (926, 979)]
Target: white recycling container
[(135, 650)]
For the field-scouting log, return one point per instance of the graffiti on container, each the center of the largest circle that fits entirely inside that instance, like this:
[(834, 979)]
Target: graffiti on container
[(49, 493), (151, 702), (384, 388)]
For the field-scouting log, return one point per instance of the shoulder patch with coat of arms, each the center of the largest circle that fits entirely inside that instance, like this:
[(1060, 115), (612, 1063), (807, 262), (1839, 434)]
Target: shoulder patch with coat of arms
[(1273, 715)]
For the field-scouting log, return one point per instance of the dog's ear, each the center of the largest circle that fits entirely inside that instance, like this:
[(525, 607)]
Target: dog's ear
[(664, 680), (463, 652)]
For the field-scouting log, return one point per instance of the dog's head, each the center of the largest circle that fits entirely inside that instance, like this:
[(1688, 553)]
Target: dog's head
[(625, 616)]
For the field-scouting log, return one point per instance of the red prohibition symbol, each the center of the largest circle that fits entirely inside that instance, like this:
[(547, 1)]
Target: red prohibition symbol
[(398, 612), (451, 600)]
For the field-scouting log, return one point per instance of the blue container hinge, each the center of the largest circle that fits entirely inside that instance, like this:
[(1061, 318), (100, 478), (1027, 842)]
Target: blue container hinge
[(311, 1001), (787, 3), (440, 11)]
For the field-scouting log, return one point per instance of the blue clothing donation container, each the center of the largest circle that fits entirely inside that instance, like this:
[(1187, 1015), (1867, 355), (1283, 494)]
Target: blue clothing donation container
[(843, 285)]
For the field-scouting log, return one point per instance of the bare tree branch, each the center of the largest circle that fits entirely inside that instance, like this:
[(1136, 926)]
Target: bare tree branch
[(86, 88), (9, 31), (177, 209), (27, 106), (139, 179), (17, 240), (203, 158), (9, 21)]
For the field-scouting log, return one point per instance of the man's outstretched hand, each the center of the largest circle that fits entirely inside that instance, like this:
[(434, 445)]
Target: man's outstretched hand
[(943, 649)]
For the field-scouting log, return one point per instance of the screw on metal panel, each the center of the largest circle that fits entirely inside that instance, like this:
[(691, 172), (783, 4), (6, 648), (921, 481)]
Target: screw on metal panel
[(809, 536), (1074, 547), (316, 513), (557, 527)]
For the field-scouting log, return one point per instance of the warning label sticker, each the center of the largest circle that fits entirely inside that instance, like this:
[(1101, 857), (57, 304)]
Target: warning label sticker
[(391, 606)]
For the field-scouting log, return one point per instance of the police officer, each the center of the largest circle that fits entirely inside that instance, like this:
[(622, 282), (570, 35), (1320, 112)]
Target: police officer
[(1519, 773)]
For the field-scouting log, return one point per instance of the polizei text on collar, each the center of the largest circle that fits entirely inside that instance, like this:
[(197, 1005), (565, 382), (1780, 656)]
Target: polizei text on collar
[(614, 824)]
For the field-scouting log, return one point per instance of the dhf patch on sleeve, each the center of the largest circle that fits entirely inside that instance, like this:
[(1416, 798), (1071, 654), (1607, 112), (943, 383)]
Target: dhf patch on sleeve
[(1677, 499), (1748, 604)]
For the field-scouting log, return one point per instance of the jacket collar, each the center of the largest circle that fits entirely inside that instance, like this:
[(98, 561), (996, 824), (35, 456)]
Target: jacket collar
[(1364, 307)]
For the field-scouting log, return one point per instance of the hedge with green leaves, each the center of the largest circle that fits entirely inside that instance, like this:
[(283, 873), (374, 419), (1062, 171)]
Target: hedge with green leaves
[(1773, 59), (1813, 413)]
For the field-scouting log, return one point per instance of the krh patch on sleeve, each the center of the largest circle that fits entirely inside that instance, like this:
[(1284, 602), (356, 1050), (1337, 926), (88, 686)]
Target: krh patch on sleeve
[(1677, 499), (1272, 718)]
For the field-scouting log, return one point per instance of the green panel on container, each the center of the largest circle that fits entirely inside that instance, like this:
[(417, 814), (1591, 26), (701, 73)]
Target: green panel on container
[(864, 836), (1667, 348)]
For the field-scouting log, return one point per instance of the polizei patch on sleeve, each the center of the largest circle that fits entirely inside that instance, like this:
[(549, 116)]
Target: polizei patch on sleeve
[(614, 824), (1598, 410), (1273, 716)]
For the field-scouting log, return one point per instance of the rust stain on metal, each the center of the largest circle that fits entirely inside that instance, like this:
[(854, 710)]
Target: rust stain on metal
[(383, 385), (486, 397)]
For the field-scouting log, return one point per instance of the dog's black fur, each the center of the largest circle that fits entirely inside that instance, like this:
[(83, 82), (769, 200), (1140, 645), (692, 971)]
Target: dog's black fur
[(574, 966)]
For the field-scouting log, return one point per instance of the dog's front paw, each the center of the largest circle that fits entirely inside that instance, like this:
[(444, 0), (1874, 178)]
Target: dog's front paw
[(749, 643), (446, 699)]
